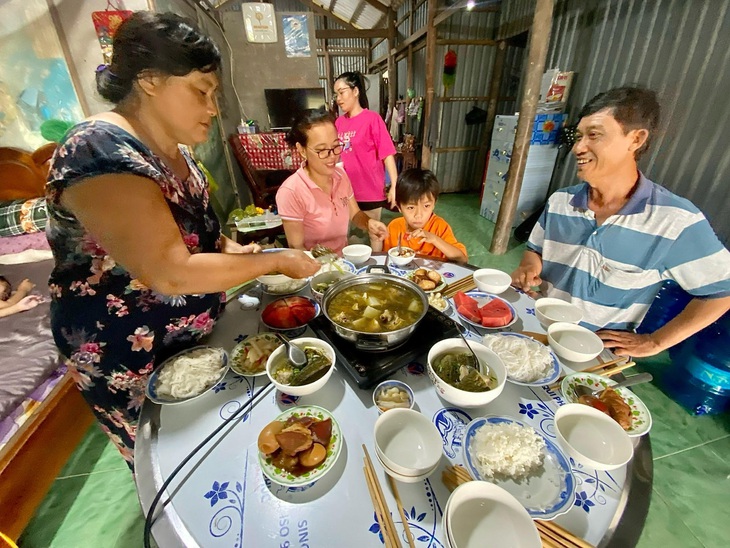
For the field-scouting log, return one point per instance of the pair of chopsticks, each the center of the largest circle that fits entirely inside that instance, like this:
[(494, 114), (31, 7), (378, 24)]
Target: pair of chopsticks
[(552, 535), (605, 369), (464, 284), (382, 512)]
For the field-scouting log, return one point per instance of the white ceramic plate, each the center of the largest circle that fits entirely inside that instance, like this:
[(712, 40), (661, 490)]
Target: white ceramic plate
[(554, 374), (240, 352), (483, 298), (547, 493), (151, 390), (282, 477), (640, 416), (440, 287)]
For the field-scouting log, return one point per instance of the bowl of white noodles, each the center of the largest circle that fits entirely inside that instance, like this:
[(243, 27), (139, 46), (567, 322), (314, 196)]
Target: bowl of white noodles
[(187, 375), (527, 361)]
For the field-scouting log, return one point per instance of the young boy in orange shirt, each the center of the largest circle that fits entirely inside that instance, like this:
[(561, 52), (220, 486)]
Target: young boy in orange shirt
[(416, 193)]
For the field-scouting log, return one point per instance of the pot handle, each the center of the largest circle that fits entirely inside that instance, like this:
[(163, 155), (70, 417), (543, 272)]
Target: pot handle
[(378, 269)]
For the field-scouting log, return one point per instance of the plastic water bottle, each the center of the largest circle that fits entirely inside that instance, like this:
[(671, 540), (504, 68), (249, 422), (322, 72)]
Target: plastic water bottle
[(669, 301)]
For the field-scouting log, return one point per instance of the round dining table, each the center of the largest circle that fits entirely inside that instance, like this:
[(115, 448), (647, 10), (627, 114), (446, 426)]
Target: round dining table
[(221, 498)]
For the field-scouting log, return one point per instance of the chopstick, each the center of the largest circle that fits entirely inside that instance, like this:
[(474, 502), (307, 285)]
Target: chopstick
[(604, 369), (551, 534), (382, 511), (401, 511), (561, 533), (464, 284)]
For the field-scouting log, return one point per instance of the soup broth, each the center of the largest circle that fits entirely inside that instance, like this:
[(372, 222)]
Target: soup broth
[(375, 307)]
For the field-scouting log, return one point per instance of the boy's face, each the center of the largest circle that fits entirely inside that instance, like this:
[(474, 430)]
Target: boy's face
[(417, 214)]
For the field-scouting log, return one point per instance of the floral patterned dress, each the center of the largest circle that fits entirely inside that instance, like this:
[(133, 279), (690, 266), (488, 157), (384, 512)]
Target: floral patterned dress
[(110, 328)]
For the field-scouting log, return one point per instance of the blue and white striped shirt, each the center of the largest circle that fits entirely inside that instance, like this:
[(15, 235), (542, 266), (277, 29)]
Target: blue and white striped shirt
[(614, 271)]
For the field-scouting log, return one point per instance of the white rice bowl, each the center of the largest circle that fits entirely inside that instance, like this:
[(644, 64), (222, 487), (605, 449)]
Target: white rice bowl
[(507, 450)]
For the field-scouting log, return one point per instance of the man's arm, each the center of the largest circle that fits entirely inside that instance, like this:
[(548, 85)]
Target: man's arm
[(698, 314)]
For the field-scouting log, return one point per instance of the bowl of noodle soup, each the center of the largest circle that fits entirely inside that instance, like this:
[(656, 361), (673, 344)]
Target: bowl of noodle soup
[(528, 362), (187, 375)]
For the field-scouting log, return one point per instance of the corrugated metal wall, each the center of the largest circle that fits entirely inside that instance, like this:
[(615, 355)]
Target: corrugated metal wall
[(680, 49)]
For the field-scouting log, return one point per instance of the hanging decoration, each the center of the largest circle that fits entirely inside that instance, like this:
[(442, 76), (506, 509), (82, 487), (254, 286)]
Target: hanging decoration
[(449, 69), (106, 24)]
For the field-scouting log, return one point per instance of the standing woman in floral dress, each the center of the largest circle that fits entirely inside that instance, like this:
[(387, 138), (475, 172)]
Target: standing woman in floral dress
[(367, 148), (140, 259)]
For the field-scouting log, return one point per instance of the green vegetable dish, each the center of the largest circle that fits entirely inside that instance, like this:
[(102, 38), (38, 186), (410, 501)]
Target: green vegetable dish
[(455, 369), (318, 363)]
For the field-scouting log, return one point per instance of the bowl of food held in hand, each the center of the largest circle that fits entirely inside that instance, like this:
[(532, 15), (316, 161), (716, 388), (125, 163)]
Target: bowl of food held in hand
[(187, 375), (428, 280), (574, 342), (452, 370), (357, 253), (300, 446), (478, 510), (402, 256), (323, 281), (392, 394), (527, 361), (407, 442), (520, 459), (483, 310), (374, 311), (621, 404), (289, 313), (491, 280), (276, 283), (249, 357), (591, 437), (305, 380), (549, 311)]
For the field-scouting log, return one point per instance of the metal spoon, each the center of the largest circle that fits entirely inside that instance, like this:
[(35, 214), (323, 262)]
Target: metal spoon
[(485, 368), (582, 390), (294, 354)]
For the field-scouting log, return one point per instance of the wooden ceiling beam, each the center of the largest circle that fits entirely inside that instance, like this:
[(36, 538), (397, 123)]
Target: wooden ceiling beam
[(378, 6), (360, 33)]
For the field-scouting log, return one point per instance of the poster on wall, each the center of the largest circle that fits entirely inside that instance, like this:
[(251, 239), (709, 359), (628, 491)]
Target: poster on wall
[(296, 35), (106, 24)]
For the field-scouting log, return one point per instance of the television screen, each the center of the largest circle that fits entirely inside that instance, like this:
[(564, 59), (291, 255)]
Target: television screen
[(285, 105)]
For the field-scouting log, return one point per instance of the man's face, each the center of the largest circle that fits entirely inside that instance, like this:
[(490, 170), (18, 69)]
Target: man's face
[(602, 149)]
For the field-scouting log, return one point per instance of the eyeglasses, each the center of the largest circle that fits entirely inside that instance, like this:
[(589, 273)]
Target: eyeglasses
[(342, 91), (326, 152)]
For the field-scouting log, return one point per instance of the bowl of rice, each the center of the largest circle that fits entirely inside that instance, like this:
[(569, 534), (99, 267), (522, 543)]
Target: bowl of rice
[(187, 375), (521, 460), (528, 362)]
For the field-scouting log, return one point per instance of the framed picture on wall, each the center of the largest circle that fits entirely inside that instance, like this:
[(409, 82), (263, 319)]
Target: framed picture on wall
[(296, 35), (259, 22)]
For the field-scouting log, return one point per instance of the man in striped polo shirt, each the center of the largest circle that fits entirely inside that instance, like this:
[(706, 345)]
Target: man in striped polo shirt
[(607, 244)]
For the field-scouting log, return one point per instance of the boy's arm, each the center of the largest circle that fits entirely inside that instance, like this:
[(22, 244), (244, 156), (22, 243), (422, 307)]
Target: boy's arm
[(21, 306), (24, 287), (452, 252)]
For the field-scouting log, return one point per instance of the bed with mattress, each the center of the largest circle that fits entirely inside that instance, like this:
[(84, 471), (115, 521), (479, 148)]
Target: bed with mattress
[(42, 414)]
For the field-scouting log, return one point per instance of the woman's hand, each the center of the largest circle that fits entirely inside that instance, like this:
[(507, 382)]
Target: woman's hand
[(230, 246), (31, 301), (377, 230), (251, 248), (296, 264), (391, 197)]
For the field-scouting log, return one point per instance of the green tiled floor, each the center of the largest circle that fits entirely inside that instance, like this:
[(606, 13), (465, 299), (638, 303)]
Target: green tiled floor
[(93, 501)]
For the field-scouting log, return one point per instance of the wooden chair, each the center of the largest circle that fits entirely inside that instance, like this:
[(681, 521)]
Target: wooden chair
[(266, 161)]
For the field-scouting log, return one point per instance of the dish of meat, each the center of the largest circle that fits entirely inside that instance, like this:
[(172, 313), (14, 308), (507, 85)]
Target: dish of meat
[(638, 414), (428, 280), (291, 446)]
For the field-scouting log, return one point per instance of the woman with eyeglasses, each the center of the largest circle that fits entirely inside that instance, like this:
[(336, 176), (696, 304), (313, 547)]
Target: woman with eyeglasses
[(367, 149), (317, 204)]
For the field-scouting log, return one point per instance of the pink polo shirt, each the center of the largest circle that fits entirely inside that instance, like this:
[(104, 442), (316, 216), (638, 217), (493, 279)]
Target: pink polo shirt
[(326, 218)]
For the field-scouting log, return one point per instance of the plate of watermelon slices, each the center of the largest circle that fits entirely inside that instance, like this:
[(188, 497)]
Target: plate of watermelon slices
[(484, 310)]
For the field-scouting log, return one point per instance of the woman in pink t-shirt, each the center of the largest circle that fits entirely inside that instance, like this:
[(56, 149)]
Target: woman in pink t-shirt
[(367, 149), (316, 204)]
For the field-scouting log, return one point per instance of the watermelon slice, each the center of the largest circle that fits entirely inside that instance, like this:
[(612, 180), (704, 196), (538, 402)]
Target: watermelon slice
[(461, 298), (470, 313), (495, 314)]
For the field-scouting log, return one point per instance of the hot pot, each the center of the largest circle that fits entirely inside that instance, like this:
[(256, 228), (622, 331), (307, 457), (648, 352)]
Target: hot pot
[(374, 342)]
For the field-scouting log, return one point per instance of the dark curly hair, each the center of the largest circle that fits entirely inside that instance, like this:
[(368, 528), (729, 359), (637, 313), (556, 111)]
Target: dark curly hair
[(159, 42)]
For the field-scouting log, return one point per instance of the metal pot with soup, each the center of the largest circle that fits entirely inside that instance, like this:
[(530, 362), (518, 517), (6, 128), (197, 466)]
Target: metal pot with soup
[(375, 311)]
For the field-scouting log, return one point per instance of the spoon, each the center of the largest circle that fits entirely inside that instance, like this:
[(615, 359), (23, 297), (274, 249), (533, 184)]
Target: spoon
[(294, 354), (485, 371), (400, 237), (582, 390)]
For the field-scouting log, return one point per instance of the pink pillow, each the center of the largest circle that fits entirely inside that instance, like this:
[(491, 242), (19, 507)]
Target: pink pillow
[(22, 242)]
